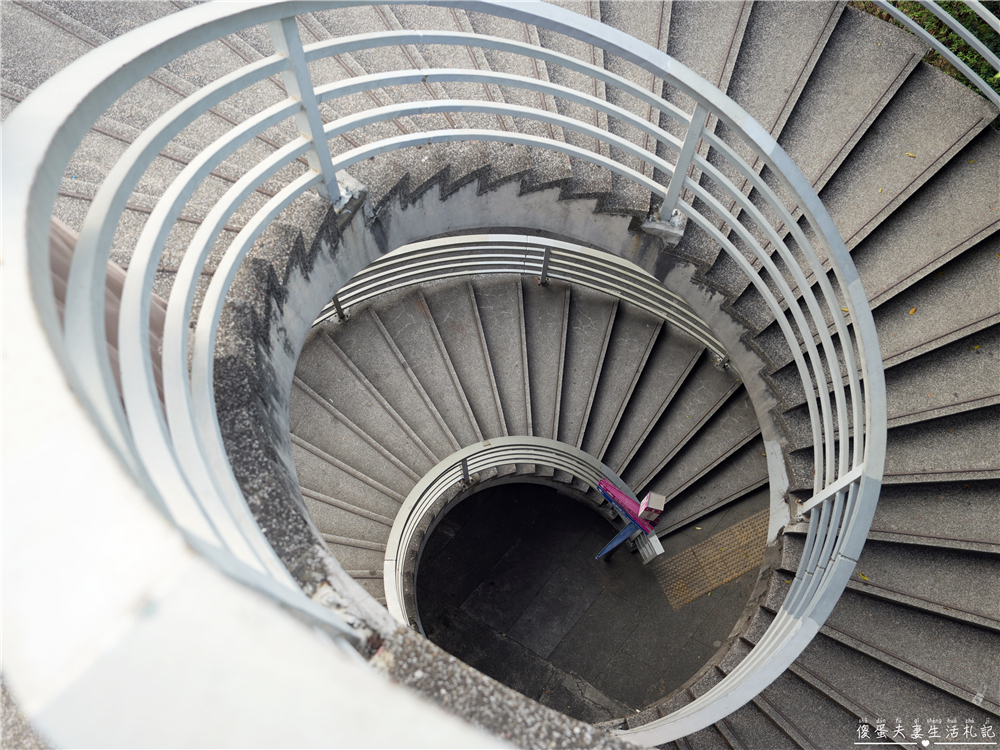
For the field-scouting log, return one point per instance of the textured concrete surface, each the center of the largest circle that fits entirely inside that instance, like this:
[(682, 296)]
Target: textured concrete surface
[(944, 514), (703, 393), (546, 311), (671, 360), (591, 321), (887, 631), (731, 427), (632, 339), (17, 730)]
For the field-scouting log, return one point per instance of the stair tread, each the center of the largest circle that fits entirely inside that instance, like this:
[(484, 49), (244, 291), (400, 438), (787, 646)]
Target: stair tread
[(312, 423), (635, 333), (545, 312), (950, 511), (863, 64), (753, 728), (670, 361), (324, 372), (549, 168), (341, 482), (743, 473), (731, 427), (823, 722), (932, 228), (705, 390), (931, 579), (929, 386), (960, 445), (945, 653), (413, 330), (933, 117), (879, 690), (367, 347), (588, 179), (652, 26), (453, 307), (499, 302), (591, 321)]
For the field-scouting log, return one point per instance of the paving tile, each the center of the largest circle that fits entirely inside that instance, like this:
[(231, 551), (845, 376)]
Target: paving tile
[(597, 636), (554, 611)]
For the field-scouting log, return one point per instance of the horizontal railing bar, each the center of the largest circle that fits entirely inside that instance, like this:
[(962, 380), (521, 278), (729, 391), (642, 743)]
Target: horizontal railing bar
[(369, 41)]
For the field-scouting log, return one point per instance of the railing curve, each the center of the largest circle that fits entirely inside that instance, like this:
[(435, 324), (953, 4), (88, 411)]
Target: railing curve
[(177, 453)]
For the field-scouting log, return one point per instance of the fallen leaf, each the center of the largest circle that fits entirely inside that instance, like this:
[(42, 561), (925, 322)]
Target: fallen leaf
[(912, 310), (698, 527), (709, 593), (880, 190), (844, 309), (976, 346), (912, 156), (863, 576), (972, 161), (787, 581)]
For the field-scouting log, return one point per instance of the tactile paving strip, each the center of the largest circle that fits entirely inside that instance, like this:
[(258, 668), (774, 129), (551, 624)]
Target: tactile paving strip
[(718, 560)]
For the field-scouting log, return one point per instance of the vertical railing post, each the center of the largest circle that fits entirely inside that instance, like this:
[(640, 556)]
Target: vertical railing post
[(465, 471), (544, 278), (684, 159), (298, 82), (341, 315)]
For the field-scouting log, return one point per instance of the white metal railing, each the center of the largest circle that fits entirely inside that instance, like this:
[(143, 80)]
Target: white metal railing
[(414, 513), (967, 36), (177, 453), (467, 255)]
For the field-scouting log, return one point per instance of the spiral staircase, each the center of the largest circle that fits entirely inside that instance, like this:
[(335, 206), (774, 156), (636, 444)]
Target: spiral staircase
[(518, 305)]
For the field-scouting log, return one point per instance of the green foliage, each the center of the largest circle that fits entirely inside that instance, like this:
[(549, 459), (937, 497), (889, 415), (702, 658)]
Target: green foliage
[(940, 31)]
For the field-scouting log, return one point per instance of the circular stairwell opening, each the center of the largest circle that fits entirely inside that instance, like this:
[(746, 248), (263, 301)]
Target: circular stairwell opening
[(508, 583)]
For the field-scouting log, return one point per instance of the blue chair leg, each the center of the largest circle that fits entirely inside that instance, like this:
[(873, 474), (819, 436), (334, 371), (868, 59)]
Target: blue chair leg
[(619, 538)]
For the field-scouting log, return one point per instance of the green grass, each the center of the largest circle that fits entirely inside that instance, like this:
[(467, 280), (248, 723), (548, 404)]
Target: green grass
[(968, 18)]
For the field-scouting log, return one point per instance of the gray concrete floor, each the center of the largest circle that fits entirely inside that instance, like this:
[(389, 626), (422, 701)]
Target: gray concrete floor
[(509, 584)]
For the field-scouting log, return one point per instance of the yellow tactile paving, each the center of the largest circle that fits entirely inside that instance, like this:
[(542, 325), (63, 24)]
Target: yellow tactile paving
[(718, 560)]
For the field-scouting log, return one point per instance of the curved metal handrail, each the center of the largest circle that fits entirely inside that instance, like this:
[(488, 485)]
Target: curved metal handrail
[(467, 255), (456, 468), (967, 36), (179, 457)]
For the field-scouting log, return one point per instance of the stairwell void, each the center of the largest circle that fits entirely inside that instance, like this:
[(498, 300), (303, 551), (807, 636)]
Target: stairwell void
[(607, 240)]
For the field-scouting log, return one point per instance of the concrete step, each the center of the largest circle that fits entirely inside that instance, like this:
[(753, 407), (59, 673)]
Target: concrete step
[(501, 311), (741, 476), (933, 117), (781, 46), (705, 390), (732, 427), (806, 714), (327, 370), (672, 358), (956, 378), (588, 180), (548, 169), (546, 316), (937, 651), (455, 315), (863, 64), (633, 338), (944, 582), (707, 38), (953, 515), (588, 335), (320, 473), (650, 23), (750, 726), (958, 447), (370, 348), (317, 423), (505, 160), (871, 689), (903, 335), (411, 326)]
